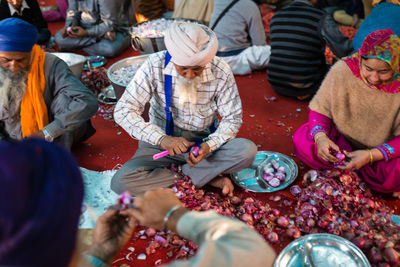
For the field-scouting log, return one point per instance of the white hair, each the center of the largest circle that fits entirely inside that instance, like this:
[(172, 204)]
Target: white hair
[(12, 90)]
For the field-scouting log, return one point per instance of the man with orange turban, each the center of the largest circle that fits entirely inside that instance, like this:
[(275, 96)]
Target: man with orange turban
[(39, 95), (188, 88)]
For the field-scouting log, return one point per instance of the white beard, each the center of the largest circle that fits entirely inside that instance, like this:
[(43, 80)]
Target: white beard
[(187, 89), (12, 90)]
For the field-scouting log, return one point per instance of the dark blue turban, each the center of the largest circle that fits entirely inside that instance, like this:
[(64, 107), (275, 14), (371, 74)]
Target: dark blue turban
[(17, 35), (41, 192)]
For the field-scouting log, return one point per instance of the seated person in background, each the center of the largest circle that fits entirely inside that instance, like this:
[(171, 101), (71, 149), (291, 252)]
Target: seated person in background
[(200, 10), (357, 109), (241, 35), (299, 33), (29, 11), (40, 96), (386, 15), (199, 87), (55, 12), (352, 14), (92, 26), (41, 196)]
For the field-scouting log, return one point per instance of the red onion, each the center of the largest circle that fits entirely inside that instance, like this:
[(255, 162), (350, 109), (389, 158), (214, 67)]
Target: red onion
[(295, 190), (340, 156), (273, 237), (282, 221), (195, 151), (274, 182)]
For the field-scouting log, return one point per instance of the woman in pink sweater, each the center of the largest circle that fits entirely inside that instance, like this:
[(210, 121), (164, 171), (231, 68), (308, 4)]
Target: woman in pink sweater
[(357, 110)]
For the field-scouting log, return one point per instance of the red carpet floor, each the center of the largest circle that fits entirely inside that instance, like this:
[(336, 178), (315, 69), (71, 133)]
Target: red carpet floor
[(270, 124)]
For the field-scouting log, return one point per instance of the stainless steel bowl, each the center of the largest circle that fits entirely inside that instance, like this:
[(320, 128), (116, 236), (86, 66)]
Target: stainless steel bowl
[(324, 250), (75, 62), (119, 88)]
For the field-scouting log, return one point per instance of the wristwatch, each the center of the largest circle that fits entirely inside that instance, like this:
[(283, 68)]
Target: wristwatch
[(47, 135)]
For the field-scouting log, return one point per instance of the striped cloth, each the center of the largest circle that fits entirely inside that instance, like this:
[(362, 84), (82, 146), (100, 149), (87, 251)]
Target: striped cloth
[(297, 63), (217, 96)]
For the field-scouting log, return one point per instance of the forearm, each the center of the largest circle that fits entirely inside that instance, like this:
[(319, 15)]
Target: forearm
[(223, 241), (128, 115), (319, 123)]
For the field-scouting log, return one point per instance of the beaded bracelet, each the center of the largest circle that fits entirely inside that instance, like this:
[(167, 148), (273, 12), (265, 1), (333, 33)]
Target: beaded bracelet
[(169, 213)]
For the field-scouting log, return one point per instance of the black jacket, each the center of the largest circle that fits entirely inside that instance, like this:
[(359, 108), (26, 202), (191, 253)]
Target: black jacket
[(33, 15)]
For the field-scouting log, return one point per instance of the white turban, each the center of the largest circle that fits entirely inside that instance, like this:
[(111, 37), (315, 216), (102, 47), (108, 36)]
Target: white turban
[(190, 44)]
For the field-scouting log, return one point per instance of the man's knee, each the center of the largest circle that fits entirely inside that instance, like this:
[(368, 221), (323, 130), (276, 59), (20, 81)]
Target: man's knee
[(116, 182), (245, 149)]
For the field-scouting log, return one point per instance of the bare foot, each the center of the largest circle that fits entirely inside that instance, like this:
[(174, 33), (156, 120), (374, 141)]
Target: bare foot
[(396, 194), (223, 183)]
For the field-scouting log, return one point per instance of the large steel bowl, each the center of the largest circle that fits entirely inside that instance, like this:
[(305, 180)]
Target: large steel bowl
[(119, 88), (148, 45), (75, 62)]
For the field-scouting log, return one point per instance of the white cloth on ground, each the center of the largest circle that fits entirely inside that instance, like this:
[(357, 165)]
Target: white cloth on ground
[(98, 196)]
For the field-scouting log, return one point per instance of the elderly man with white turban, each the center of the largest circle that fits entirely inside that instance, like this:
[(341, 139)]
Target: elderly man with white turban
[(187, 87)]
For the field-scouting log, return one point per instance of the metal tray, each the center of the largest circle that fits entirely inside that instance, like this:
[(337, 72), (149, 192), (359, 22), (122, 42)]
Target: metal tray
[(251, 180), (94, 62), (321, 250), (107, 96)]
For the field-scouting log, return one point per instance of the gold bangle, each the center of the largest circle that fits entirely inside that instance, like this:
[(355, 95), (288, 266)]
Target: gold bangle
[(371, 158), (318, 136)]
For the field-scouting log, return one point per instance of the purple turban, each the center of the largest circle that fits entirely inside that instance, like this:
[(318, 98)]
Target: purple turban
[(17, 35), (41, 191)]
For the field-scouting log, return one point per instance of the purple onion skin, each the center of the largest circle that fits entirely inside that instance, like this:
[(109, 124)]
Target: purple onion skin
[(392, 256), (295, 190), (375, 255), (235, 200), (195, 151)]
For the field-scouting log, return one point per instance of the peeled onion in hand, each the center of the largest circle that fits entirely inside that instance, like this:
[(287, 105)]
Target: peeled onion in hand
[(195, 151)]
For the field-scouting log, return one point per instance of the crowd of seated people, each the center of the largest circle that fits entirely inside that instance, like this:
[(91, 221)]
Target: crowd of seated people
[(194, 117)]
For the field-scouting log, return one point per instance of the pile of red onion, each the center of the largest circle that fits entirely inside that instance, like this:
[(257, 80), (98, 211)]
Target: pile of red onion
[(338, 202), (335, 202), (95, 79)]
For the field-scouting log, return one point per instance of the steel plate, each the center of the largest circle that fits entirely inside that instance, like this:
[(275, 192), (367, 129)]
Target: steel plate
[(251, 180), (321, 250)]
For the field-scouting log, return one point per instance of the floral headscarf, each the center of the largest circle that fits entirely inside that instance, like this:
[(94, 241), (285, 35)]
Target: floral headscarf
[(383, 45)]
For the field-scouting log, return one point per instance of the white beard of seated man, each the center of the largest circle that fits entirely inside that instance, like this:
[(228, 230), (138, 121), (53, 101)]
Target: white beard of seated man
[(12, 91), (187, 89)]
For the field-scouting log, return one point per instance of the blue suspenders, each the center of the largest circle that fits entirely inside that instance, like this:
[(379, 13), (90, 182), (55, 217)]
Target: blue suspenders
[(169, 127)]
